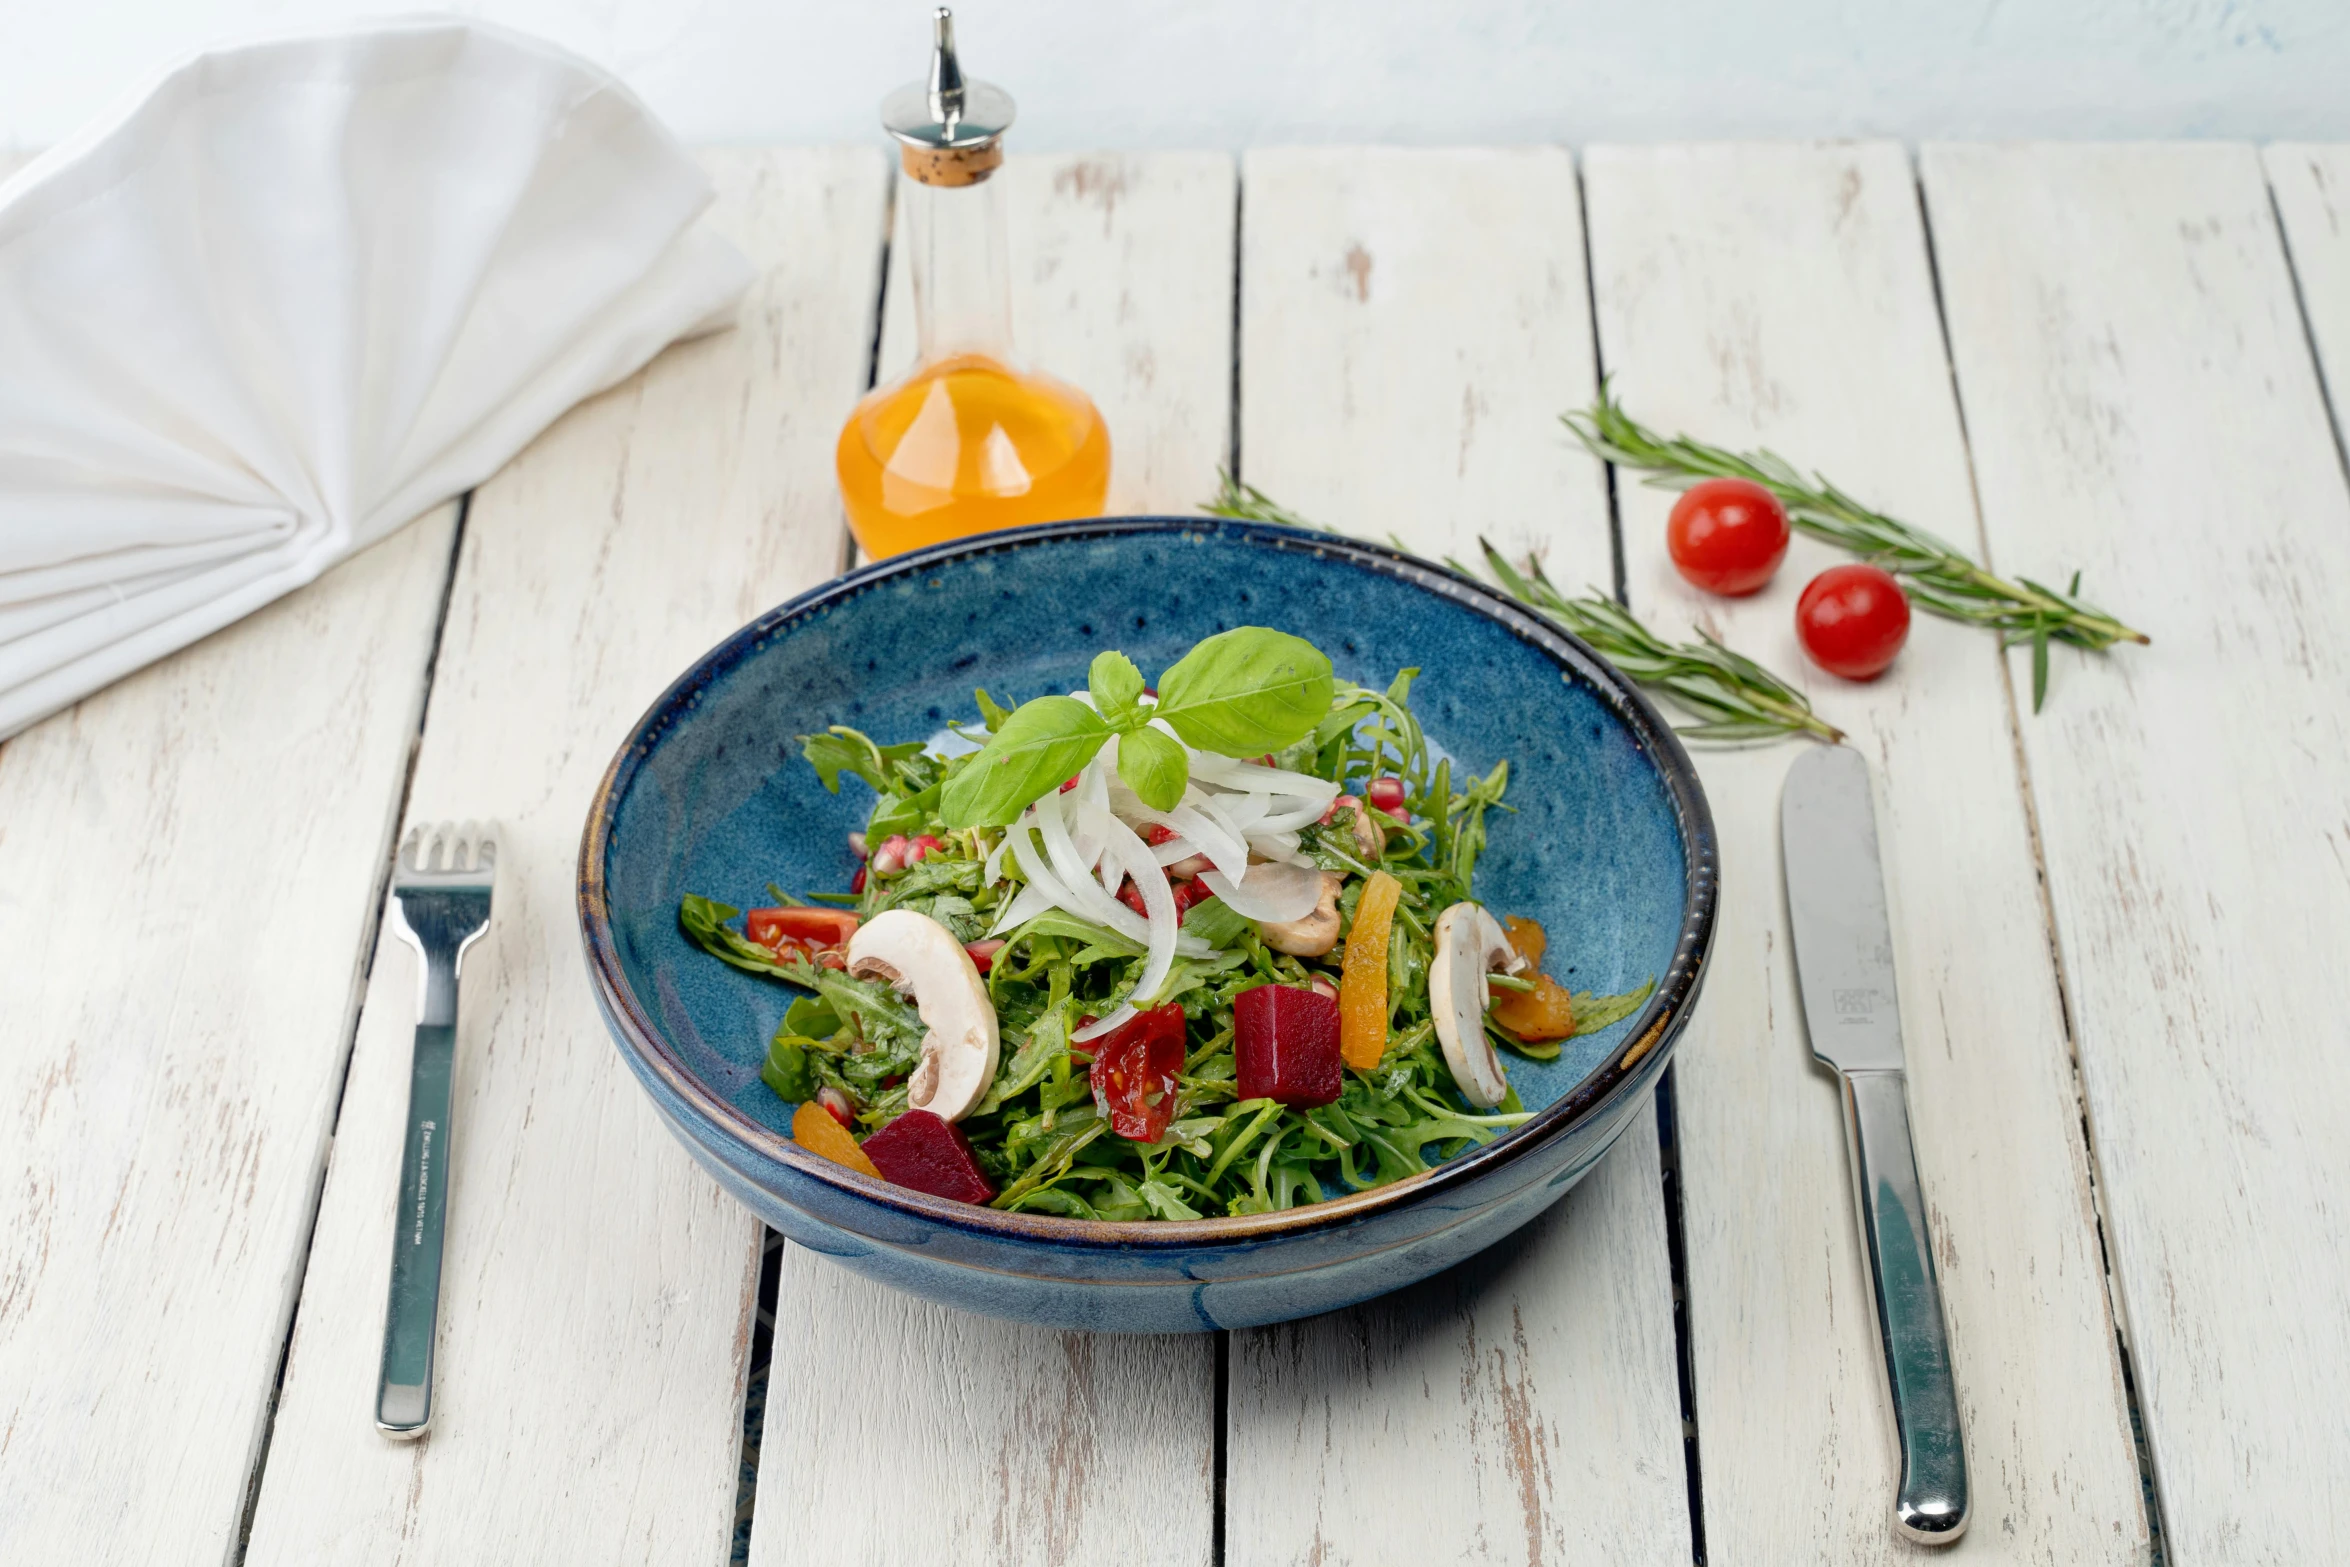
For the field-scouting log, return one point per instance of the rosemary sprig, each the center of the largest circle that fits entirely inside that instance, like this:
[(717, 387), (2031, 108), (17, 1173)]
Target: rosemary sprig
[(1938, 575), (1735, 698)]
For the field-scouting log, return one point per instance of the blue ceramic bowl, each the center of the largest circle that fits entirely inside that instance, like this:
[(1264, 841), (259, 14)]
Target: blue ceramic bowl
[(1611, 848)]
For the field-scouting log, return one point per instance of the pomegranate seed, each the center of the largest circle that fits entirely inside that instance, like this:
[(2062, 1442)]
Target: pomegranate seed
[(1071, 784), (921, 846), (983, 953), (857, 882), (1157, 833), (890, 858), (1266, 760), (1189, 893), (1386, 794), (1345, 802), (1189, 866), (836, 1104), (1131, 896), (857, 844)]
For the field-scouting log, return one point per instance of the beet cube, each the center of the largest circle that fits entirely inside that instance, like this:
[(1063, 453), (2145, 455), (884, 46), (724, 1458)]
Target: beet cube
[(920, 1151), (1285, 1045)]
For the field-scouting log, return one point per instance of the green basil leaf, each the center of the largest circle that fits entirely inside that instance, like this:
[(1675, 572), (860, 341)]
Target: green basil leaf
[(1043, 743), (1117, 691), (1246, 691), (1154, 768)]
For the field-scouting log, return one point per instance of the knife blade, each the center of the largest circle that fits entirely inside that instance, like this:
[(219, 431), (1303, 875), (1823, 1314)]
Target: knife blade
[(1843, 949)]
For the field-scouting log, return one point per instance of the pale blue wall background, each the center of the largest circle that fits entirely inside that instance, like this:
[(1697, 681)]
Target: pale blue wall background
[(1231, 73)]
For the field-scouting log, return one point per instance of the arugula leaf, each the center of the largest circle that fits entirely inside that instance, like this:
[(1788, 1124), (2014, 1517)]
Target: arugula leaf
[(1154, 767), (1215, 922), (1246, 691), (1043, 743), (1596, 1012), (841, 749), (787, 1070), (990, 712), (1116, 686)]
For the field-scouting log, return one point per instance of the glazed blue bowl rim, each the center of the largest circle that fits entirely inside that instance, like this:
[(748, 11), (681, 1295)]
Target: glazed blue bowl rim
[(1658, 1027)]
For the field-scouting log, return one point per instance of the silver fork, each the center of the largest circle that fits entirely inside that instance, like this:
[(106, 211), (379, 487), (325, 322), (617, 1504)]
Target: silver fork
[(440, 906)]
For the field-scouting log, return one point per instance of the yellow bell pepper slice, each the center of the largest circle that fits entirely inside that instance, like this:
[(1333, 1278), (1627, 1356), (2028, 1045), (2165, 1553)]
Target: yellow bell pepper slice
[(814, 1129), (1362, 981)]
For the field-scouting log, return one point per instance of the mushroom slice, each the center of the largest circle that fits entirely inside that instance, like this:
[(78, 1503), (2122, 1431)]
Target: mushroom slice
[(921, 958), (1470, 944)]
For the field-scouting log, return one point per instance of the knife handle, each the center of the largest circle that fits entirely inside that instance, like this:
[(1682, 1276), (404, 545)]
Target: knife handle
[(1931, 1506), (403, 1399)]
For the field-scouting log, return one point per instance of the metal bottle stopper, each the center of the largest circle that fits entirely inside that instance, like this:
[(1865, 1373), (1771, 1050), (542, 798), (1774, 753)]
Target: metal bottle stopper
[(950, 129)]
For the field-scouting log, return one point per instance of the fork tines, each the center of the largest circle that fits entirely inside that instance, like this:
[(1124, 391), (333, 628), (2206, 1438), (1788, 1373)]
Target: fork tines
[(467, 850)]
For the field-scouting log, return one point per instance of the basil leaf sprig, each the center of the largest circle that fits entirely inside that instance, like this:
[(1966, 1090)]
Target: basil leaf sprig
[(1241, 692)]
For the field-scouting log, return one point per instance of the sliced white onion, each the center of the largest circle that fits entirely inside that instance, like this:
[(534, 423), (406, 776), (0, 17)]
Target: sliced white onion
[(1175, 848), (1253, 778), (1280, 846), (1085, 895), (1273, 891), (1030, 901), (1102, 1025), (1158, 901), (995, 860), (1075, 899)]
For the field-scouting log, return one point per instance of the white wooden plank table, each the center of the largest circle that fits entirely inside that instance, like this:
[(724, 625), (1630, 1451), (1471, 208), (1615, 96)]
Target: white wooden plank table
[(2117, 920)]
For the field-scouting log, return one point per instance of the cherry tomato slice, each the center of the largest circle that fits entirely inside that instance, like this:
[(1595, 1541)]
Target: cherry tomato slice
[(1727, 535), (799, 932), (1853, 620), (1133, 1071)]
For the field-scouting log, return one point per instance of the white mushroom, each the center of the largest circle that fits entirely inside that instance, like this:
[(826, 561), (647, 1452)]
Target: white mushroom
[(1470, 944), (1314, 934), (921, 958)]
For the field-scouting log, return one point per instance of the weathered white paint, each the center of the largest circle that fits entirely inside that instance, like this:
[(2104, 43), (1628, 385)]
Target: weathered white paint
[(596, 1305), (1231, 73), (1780, 297), (941, 1436), (2142, 404), (2312, 188), (187, 865), (1412, 322)]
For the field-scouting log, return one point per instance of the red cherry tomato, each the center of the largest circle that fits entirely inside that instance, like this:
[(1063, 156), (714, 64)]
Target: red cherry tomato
[(1133, 1072), (799, 932), (1852, 620), (1727, 535)]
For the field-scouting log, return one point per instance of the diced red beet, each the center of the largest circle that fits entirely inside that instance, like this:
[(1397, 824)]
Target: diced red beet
[(926, 1154), (1285, 1045), (1133, 1072)]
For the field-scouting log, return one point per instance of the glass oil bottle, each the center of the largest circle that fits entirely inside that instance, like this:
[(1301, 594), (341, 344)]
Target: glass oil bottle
[(969, 440)]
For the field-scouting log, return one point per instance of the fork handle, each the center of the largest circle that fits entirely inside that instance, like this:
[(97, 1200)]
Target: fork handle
[(403, 1399)]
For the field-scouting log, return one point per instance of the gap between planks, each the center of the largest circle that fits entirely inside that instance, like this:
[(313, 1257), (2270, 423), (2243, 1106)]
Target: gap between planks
[(373, 944), (2150, 1491)]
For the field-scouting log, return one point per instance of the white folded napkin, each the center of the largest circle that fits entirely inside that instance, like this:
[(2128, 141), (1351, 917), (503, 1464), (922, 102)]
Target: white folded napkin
[(297, 294)]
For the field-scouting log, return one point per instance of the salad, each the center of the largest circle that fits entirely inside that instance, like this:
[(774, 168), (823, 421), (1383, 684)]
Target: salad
[(1209, 947)]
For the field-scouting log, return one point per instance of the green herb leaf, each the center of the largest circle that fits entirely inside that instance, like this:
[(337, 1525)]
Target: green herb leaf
[(1597, 1012), (1117, 691), (1042, 744), (841, 749), (1154, 767), (1246, 691), (991, 712), (786, 1070)]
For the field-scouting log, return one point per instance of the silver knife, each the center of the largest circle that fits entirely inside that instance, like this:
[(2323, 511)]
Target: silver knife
[(1844, 968)]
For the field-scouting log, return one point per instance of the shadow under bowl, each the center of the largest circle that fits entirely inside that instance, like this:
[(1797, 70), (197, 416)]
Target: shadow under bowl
[(1608, 844)]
